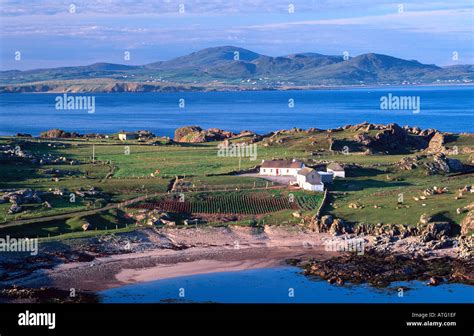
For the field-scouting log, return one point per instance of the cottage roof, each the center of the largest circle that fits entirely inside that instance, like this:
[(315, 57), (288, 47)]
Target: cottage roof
[(282, 164), (335, 166), (305, 171)]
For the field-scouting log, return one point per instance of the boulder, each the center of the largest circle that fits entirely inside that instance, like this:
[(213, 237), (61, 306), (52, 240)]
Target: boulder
[(467, 223), (325, 223), (338, 227), (15, 208), (438, 230), (434, 281), (86, 227), (195, 134), (363, 138), (436, 144), (442, 165), (189, 134), (424, 219), (407, 163), (296, 214), (58, 133)]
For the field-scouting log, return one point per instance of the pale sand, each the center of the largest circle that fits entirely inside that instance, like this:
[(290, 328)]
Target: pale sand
[(209, 251), (165, 271)]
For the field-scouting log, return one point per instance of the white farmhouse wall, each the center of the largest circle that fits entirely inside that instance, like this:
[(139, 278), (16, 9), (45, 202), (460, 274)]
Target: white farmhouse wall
[(337, 173), (281, 171), (313, 187)]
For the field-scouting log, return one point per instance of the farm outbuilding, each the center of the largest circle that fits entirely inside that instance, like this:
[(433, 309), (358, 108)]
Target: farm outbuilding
[(309, 179), (336, 169)]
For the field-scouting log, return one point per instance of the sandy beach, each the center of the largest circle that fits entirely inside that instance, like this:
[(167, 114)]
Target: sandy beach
[(200, 251)]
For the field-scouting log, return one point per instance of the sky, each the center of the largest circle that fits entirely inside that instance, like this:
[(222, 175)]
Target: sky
[(45, 34)]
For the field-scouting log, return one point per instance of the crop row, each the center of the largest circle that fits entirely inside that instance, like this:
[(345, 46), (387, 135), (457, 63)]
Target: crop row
[(234, 204)]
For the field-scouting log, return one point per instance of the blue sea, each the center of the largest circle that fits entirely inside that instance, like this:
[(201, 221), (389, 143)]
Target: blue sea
[(279, 285), (448, 109)]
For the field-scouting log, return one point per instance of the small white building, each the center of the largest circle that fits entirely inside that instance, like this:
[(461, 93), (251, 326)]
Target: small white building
[(127, 136), (281, 167), (309, 179), (326, 177), (336, 169)]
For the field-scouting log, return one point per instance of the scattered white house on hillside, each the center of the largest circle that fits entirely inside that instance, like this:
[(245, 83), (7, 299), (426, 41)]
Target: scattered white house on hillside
[(309, 179), (281, 167), (336, 169)]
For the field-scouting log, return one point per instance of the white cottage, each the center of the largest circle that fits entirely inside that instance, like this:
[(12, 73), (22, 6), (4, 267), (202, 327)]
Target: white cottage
[(336, 169), (281, 167), (124, 136), (309, 179)]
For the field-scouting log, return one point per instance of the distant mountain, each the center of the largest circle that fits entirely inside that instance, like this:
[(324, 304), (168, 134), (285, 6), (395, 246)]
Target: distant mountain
[(370, 68), (234, 66), (207, 58)]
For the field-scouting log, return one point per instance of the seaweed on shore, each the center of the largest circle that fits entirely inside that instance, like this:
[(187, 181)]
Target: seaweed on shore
[(379, 270), (45, 295)]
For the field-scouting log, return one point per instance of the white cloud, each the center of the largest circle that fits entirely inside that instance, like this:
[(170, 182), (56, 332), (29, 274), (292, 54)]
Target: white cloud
[(419, 21)]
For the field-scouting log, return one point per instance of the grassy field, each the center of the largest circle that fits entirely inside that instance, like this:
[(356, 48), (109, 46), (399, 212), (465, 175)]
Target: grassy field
[(379, 197), (124, 171), (107, 221)]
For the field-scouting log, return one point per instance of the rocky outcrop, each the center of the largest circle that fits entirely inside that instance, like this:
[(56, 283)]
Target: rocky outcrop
[(195, 134), (389, 138), (10, 153), (189, 134), (467, 224), (363, 139), (339, 226), (408, 163), (45, 295), (430, 230), (442, 164), (439, 231), (327, 223), (381, 269), (22, 196), (436, 144), (58, 133)]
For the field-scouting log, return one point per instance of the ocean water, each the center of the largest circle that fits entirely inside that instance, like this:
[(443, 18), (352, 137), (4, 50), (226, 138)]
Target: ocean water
[(448, 109), (279, 285)]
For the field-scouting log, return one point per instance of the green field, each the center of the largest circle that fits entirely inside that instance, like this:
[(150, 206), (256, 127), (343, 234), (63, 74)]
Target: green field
[(373, 188), (124, 171)]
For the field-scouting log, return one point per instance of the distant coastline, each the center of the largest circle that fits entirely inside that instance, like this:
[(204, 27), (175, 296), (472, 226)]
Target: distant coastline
[(227, 68), (133, 87)]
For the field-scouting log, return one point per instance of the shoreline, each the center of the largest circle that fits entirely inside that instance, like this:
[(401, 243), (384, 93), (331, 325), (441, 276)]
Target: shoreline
[(269, 249), (178, 253), (224, 89)]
